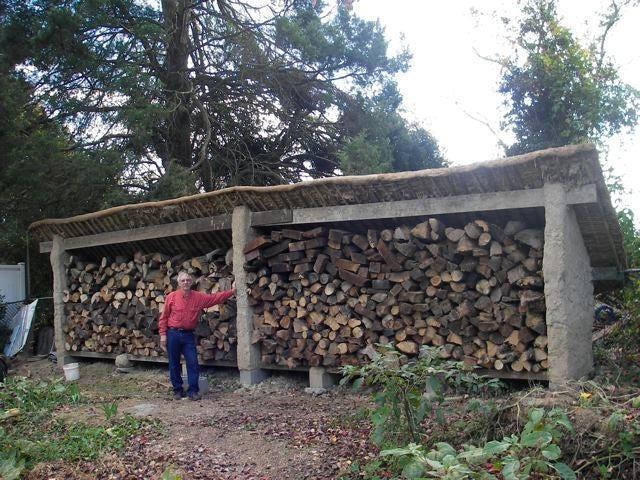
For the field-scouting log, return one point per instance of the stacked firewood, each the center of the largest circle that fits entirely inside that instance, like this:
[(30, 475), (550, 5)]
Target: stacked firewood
[(113, 306), (326, 297)]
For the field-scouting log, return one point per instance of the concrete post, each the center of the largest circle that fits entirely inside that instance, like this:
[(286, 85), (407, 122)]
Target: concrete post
[(58, 259), (319, 378), (568, 291), (248, 354)]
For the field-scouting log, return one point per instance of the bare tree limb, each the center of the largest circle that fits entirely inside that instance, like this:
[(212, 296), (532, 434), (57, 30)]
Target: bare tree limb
[(484, 122)]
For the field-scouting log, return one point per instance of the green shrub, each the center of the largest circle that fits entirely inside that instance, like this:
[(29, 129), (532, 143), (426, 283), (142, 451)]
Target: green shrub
[(534, 451), (407, 390)]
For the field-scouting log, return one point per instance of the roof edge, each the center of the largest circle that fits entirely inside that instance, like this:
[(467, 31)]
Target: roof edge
[(557, 152)]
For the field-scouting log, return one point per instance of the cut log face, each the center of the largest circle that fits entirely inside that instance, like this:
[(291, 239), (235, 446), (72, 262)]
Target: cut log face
[(475, 290), (113, 307)]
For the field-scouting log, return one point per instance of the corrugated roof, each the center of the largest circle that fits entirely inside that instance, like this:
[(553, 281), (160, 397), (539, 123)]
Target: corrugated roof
[(574, 166)]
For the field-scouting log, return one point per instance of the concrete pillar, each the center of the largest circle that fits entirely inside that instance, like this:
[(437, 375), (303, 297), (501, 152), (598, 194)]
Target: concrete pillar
[(248, 355), (319, 378), (58, 259), (568, 291)]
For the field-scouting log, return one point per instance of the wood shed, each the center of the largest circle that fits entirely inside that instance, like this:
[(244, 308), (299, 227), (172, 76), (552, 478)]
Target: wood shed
[(496, 262)]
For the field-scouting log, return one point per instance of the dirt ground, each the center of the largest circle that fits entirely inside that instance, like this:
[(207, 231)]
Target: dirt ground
[(271, 431)]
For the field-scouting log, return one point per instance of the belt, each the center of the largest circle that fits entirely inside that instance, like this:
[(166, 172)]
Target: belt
[(181, 329)]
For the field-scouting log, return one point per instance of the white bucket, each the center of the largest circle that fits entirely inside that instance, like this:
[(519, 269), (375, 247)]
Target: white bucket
[(71, 372)]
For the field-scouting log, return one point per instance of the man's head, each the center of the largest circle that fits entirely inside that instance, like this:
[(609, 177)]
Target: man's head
[(184, 281)]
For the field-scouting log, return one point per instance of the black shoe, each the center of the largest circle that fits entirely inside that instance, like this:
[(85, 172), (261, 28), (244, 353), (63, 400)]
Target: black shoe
[(179, 395), (195, 396)]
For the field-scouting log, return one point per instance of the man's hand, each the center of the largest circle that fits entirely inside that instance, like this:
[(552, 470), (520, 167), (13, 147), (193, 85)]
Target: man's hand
[(163, 342)]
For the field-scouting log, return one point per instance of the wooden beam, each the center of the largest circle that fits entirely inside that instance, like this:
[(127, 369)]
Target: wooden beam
[(271, 217), (196, 225), (134, 358), (362, 211), (510, 375), (439, 206)]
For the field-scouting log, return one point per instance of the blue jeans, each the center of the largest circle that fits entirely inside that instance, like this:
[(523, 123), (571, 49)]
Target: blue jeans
[(182, 342)]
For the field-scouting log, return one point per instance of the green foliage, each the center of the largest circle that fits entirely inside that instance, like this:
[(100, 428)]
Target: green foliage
[(558, 91), (230, 92), (379, 140), (41, 175), (36, 397), (361, 155), (630, 237), (29, 434), (170, 474), (373, 470), (110, 410), (407, 391), (176, 182), (11, 465), (535, 450)]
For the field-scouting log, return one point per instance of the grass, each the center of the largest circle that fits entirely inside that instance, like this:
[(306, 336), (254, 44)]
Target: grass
[(30, 433)]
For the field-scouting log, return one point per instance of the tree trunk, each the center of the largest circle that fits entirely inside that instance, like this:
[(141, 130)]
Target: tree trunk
[(177, 87)]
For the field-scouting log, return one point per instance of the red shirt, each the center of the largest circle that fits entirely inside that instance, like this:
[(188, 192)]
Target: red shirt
[(184, 313)]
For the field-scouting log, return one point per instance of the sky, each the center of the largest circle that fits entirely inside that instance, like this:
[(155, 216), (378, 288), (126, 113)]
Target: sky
[(452, 92)]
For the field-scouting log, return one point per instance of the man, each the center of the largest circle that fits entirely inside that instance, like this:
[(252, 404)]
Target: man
[(182, 309)]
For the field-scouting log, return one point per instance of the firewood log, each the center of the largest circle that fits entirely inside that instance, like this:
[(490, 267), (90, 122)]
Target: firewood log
[(474, 290)]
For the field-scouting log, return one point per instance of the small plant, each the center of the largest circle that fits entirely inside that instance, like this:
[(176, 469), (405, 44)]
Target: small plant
[(514, 457), (373, 470), (110, 410), (409, 390), (170, 474), (250, 426), (11, 465), (74, 394)]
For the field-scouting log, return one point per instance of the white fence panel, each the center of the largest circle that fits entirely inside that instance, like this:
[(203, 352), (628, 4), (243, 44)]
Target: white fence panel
[(12, 282)]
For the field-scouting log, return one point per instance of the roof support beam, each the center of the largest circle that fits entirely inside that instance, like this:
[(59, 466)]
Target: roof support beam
[(196, 225), (363, 211), (439, 206)]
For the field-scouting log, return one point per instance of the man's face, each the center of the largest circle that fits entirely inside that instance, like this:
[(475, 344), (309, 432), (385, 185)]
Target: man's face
[(185, 283)]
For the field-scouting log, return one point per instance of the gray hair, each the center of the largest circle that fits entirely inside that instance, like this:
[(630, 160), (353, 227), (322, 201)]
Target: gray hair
[(184, 274)]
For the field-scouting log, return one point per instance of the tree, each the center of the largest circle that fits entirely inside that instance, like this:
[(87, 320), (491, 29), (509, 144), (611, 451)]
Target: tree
[(225, 92), (558, 91), (379, 140), (42, 176)]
